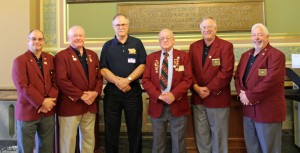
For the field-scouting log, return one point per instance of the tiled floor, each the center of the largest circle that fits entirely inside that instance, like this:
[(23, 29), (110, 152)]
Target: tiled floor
[(287, 146)]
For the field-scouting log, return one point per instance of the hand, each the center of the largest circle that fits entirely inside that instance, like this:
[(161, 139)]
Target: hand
[(123, 84), (89, 97), (167, 97), (42, 109), (84, 97), (203, 92), (243, 98), (127, 88), (48, 104)]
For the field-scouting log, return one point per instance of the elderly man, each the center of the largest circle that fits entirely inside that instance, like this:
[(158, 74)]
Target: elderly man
[(80, 83), (33, 76), (259, 82), (122, 63), (167, 78), (213, 62)]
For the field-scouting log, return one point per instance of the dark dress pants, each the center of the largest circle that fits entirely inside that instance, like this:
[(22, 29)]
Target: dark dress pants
[(133, 108)]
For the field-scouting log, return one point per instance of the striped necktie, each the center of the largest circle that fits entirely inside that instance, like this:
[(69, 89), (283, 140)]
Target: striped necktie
[(164, 72)]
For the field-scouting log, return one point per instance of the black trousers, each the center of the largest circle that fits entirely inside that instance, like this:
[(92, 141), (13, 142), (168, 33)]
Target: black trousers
[(133, 109)]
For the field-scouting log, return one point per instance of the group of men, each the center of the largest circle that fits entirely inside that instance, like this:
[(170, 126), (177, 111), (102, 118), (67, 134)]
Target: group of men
[(71, 83)]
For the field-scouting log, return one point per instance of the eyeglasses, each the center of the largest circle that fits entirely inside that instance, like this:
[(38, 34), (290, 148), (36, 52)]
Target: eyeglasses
[(36, 39), (206, 27), (77, 35), (120, 25), (258, 35), (165, 38)]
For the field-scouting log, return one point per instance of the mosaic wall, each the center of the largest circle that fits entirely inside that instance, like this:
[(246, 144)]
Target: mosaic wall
[(49, 24)]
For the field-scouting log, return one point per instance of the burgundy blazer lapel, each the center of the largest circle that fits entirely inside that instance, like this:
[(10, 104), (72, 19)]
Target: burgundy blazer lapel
[(214, 48), (156, 63), (175, 55), (92, 70), (33, 63), (243, 64), (46, 69), (200, 54), (77, 64), (260, 57)]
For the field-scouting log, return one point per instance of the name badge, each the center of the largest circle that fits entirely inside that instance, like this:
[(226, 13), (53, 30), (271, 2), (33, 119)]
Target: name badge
[(131, 51), (216, 62), (131, 60), (181, 68), (262, 72)]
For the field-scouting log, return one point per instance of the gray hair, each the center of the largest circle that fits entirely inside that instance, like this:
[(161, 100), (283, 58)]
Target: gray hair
[(166, 29), (75, 27), (118, 16), (261, 26), (208, 17)]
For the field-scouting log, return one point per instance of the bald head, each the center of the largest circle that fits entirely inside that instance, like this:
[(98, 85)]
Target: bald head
[(76, 37), (35, 31), (166, 39)]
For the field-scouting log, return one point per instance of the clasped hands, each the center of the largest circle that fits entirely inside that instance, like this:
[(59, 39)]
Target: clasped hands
[(47, 105), (89, 97), (167, 97), (123, 84), (203, 92), (243, 98)]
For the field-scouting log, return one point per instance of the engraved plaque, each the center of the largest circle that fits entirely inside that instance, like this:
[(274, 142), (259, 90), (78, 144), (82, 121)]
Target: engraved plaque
[(87, 1), (185, 17)]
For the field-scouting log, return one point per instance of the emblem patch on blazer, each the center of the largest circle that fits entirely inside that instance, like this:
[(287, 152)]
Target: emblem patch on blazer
[(262, 72), (156, 66), (74, 58), (216, 62), (131, 50), (181, 68), (90, 58), (176, 63)]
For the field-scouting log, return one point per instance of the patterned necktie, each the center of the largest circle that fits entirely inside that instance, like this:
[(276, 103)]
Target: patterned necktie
[(164, 72)]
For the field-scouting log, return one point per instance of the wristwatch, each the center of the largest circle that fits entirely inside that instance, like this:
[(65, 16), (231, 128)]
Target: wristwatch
[(129, 78)]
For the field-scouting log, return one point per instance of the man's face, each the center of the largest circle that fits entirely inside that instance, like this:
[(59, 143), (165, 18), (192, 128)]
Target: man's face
[(259, 38), (208, 29), (36, 41), (120, 25), (76, 38), (166, 40)]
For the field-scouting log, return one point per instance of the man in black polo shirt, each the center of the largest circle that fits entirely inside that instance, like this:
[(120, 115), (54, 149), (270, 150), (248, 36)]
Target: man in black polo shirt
[(122, 63)]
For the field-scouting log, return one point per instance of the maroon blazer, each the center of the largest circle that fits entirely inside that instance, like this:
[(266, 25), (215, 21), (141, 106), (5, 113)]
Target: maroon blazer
[(264, 85), (32, 86), (181, 83), (216, 73), (72, 82)]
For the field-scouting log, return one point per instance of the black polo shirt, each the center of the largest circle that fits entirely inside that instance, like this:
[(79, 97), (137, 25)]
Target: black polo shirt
[(83, 60), (251, 61), (122, 60), (39, 62), (205, 53)]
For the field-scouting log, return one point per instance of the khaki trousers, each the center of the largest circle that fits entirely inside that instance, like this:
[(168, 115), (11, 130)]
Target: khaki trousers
[(68, 131)]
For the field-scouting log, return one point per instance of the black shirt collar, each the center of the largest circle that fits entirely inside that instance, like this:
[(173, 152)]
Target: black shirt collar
[(77, 51), (207, 46), (252, 54), (36, 57), (116, 41)]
